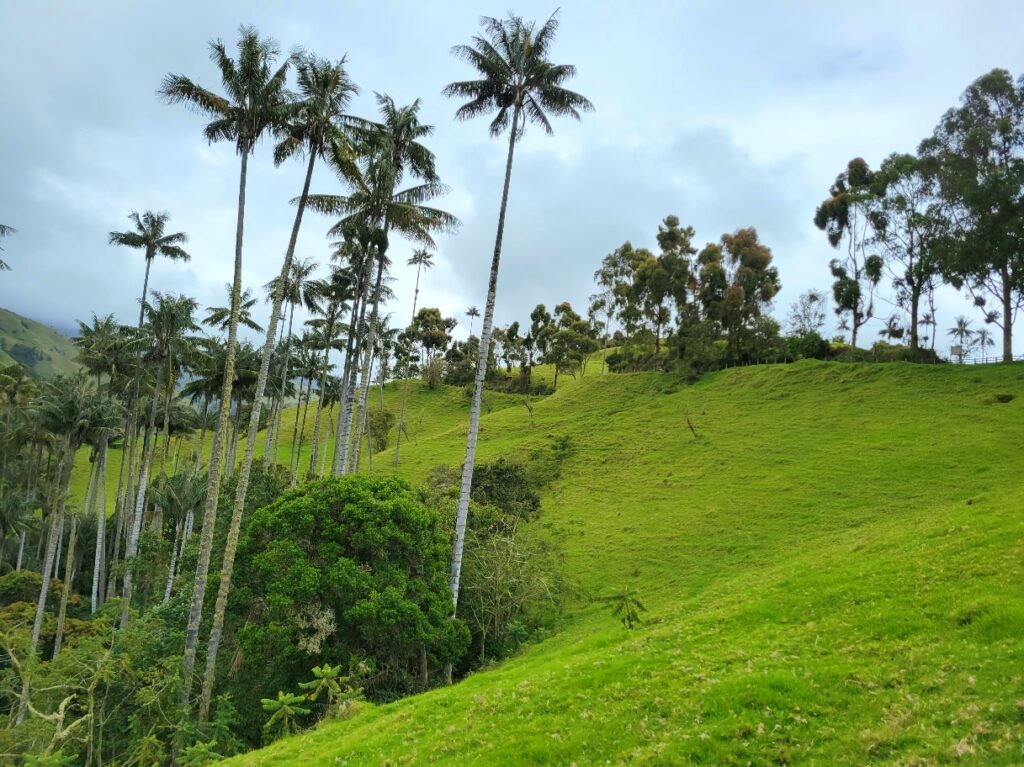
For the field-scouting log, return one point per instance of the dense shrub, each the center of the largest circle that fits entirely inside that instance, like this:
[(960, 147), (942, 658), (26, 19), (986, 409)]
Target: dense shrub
[(342, 569), (381, 422), (808, 345)]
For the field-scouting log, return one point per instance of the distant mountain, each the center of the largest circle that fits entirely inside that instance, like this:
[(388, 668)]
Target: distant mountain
[(40, 348)]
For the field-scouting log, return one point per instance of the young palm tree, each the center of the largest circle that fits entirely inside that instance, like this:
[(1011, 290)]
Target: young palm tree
[(318, 125), (472, 312), (151, 238), (520, 83), (423, 260), (255, 101), (963, 334), (219, 317), (5, 231)]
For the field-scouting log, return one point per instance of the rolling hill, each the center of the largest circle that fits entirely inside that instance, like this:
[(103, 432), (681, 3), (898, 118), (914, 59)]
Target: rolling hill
[(40, 348), (833, 570)]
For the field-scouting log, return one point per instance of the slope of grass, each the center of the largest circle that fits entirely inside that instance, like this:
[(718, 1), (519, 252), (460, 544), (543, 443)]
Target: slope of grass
[(40, 348), (833, 570)]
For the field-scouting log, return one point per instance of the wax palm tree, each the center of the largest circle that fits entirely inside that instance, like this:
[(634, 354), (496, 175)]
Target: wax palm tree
[(219, 317), (984, 340), (297, 292), (472, 312), (180, 496), (255, 101), (206, 360), (391, 149), (521, 85), (5, 231), (151, 237), (423, 260), (962, 333), (328, 335), (72, 411), (169, 324)]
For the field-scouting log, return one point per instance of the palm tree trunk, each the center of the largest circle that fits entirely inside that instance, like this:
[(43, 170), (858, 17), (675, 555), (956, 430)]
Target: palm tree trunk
[(21, 550), (302, 433), (348, 376), (100, 568), (174, 561), (202, 434), (364, 381), (101, 519), (61, 483), (405, 375), (314, 450), (60, 545), (330, 427), (227, 566), (274, 404), (140, 501), (213, 483), (481, 370), (66, 590), (284, 382), (232, 451), (295, 433)]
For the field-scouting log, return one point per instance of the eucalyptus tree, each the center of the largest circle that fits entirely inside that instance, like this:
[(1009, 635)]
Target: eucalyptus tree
[(297, 292), (976, 153), (256, 101), (5, 231), (846, 215), (423, 260), (168, 328), (519, 83)]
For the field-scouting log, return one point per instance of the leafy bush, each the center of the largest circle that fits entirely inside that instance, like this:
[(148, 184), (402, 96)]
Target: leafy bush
[(504, 484), (809, 345), (342, 569), (381, 422)]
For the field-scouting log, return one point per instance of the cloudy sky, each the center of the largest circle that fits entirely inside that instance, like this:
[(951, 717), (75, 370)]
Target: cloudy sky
[(725, 114)]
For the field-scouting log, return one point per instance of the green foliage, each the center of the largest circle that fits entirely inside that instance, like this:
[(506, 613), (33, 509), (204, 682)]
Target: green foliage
[(626, 606), (381, 423), (283, 710), (354, 567), (808, 345), (505, 485)]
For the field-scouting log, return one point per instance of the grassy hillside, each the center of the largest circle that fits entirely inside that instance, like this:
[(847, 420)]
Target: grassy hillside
[(833, 571), (40, 348)]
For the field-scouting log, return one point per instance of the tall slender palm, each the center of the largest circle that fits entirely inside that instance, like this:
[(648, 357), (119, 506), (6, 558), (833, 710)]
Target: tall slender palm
[(180, 496), (472, 312), (150, 236), (256, 101), (519, 82), (5, 231), (317, 124), (327, 327), (71, 410), (391, 149), (169, 323), (297, 292), (423, 260)]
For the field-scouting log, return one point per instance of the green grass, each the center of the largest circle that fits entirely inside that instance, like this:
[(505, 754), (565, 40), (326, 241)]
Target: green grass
[(834, 571), (40, 348)]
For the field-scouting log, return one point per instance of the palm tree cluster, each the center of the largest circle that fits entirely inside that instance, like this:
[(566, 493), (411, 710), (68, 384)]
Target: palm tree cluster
[(172, 405)]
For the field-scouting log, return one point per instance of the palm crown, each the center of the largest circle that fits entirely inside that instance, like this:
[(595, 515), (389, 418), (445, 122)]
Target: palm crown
[(517, 79), (255, 96)]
